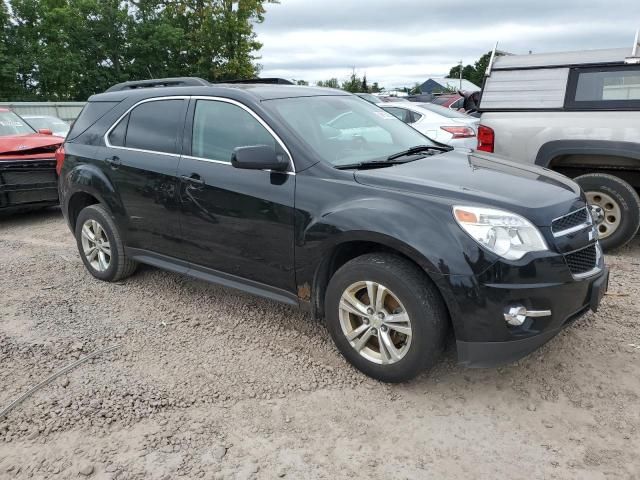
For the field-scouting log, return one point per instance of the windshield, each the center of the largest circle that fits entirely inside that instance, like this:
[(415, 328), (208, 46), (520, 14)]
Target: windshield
[(12, 124), (52, 123), (344, 130), (444, 111)]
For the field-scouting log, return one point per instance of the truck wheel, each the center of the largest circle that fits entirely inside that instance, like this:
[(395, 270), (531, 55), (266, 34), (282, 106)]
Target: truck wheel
[(386, 317), (615, 208), (100, 245)]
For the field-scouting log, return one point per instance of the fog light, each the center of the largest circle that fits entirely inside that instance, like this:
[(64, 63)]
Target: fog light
[(517, 314)]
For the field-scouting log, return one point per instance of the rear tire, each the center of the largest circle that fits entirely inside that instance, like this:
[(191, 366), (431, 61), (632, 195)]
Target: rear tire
[(618, 204), (406, 292), (100, 245)]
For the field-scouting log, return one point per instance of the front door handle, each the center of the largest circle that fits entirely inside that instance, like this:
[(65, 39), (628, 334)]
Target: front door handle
[(194, 178), (114, 162)]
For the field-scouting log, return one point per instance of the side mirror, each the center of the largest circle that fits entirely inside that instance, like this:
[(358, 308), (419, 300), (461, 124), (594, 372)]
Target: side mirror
[(45, 131), (259, 157)]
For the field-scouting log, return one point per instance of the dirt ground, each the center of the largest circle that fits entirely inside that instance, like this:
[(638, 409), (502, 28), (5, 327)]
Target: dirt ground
[(210, 383)]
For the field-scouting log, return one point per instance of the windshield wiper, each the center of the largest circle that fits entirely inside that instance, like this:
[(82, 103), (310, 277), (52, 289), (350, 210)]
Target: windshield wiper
[(419, 149), (370, 164)]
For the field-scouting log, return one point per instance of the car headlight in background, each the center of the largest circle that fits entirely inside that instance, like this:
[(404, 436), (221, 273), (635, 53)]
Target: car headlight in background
[(504, 233)]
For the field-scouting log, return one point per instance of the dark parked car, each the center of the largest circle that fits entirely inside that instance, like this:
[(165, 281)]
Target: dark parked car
[(27, 165), (390, 238)]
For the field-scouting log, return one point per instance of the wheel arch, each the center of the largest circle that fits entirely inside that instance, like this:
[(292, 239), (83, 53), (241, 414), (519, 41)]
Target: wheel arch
[(354, 245), (88, 185)]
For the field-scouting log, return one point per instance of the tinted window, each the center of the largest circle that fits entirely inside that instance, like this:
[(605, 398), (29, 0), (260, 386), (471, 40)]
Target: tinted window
[(608, 85), (118, 134), (154, 126), (401, 113), (90, 114), (220, 127)]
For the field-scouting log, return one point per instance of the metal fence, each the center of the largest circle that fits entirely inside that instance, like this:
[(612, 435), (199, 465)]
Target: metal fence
[(67, 111)]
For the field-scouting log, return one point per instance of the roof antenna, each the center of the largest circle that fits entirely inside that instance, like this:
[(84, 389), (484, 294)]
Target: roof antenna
[(634, 58), (487, 72)]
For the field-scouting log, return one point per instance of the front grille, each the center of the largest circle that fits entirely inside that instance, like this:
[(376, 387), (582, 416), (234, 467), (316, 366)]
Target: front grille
[(574, 219), (582, 261), (15, 177)]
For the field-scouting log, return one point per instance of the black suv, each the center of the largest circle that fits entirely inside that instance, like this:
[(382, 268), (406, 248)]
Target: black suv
[(317, 198)]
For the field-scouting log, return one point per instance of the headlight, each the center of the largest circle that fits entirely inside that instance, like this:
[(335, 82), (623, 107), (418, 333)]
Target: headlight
[(504, 233)]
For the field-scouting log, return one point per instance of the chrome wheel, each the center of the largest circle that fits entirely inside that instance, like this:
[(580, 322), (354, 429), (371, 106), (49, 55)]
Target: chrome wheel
[(95, 245), (605, 211), (375, 322)]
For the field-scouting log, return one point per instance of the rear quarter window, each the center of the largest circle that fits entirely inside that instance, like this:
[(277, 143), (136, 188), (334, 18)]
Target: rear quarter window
[(90, 114)]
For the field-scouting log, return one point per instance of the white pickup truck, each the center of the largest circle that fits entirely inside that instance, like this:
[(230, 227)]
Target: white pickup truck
[(577, 113)]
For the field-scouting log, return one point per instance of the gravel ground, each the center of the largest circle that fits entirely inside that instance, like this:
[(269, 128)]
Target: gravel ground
[(211, 383)]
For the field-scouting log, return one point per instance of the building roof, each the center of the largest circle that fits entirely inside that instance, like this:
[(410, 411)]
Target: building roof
[(454, 84)]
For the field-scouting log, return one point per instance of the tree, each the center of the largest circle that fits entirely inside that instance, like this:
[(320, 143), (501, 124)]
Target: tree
[(70, 49), (331, 83), (364, 87), (375, 88), (301, 82), (473, 73)]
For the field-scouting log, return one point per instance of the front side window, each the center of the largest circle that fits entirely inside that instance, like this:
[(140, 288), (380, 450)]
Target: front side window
[(342, 129), (152, 126), (220, 127), (605, 87), (12, 124)]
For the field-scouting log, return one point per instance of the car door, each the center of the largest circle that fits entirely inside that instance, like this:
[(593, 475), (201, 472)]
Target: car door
[(235, 221), (142, 154)]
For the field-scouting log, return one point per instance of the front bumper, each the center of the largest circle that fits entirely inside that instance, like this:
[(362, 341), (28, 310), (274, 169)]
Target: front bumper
[(477, 307), (27, 184)]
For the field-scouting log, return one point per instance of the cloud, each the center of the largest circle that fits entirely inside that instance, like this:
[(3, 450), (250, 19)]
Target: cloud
[(406, 41)]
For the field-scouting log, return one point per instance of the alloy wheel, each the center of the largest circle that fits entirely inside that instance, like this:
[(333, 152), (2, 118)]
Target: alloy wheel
[(375, 322), (606, 213), (95, 245)]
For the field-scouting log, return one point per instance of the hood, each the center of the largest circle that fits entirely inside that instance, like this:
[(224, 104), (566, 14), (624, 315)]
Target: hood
[(31, 144), (466, 177)]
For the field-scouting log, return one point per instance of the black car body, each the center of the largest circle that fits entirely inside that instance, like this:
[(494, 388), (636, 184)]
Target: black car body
[(284, 233)]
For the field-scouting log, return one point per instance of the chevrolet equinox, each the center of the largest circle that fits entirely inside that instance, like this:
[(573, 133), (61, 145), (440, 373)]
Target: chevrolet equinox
[(317, 198)]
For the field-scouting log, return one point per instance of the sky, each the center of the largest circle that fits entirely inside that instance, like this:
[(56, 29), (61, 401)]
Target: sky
[(401, 42)]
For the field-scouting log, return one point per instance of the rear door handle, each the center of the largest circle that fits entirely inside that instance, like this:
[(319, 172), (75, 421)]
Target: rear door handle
[(194, 178), (114, 161)]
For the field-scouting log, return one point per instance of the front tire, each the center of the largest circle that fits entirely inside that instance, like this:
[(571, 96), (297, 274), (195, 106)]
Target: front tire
[(100, 245), (386, 317), (616, 206)]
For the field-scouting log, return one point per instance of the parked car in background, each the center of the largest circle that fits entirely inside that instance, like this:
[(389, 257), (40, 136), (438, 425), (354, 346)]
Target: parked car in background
[(439, 123), (59, 127), (27, 164), (393, 239), (577, 113), (453, 101), (370, 98)]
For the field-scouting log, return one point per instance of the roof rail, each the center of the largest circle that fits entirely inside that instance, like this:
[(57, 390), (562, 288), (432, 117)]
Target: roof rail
[(635, 54), (159, 82), (272, 81)]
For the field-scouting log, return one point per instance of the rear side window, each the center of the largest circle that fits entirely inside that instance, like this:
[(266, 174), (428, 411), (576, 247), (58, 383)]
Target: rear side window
[(90, 114), (617, 87), (152, 126), (220, 127)]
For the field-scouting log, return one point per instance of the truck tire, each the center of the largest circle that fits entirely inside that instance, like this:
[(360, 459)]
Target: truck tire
[(386, 316), (617, 208)]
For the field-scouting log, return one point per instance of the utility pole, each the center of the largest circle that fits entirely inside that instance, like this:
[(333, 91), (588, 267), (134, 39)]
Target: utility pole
[(460, 75)]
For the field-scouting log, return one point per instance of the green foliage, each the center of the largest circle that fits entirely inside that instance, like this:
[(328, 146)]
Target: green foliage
[(473, 73), (331, 83), (70, 49)]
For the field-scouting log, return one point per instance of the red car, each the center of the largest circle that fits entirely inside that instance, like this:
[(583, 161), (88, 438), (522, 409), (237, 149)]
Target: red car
[(453, 101), (28, 176)]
